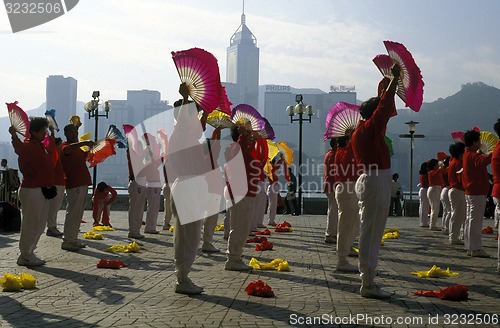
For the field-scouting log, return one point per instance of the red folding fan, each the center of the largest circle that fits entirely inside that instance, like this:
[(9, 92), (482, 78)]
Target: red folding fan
[(132, 137), (198, 68), (458, 136), (248, 117), (18, 119), (224, 103), (341, 118), (410, 85), (101, 150)]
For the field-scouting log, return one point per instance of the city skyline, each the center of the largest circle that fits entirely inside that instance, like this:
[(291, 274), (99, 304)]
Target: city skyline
[(115, 46)]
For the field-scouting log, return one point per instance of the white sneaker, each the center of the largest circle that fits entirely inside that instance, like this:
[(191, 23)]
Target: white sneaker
[(209, 248), (237, 265), (188, 287), (347, 267), (373, 291), (479, 253), (152, 232), (166, 227)]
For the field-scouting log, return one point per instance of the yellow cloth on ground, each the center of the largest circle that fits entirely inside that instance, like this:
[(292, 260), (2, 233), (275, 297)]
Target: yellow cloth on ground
[(435, 272), (171, 228), (219, 227), (103, 228), (391, 233), (130, 248), (276, 264), (14, 283), (92, 235)]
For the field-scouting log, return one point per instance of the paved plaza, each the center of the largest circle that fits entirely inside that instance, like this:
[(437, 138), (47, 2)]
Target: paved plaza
[(72, 292)]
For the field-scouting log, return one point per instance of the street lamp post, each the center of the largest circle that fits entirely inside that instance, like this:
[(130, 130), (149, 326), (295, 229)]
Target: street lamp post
[(299, 109), (92, 107), (411, 135)]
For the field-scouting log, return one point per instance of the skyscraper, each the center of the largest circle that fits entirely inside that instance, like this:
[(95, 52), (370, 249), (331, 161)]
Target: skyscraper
[(242, 74), (60, 93)]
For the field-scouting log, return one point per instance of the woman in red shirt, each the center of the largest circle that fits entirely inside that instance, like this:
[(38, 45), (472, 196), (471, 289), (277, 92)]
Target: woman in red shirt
[(456, 193), (423, 210), (445, 200), (436, 181), (332, 215)]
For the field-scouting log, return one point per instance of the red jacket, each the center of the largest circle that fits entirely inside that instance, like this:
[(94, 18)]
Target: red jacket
[(35, 163), (74, 163), (455, 178), (328, 173), (424, 181), (368, 140), (475, 175), (345, 168), (495, 170), (436, 178)]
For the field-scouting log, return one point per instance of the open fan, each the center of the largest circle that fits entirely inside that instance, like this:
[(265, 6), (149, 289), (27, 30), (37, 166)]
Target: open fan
[(162, 142), (458, 136), (441, 156), (219, 119), (410, 85), (488, 141), (18, 119), (75, 120), (132, 137), (248, 117), (267, 132), (114, 133), (85, 137), (272, 149), (51, 117), (341, 118), (100, 151), (224, 103), (286, 151), (198, 68), (152, 146)]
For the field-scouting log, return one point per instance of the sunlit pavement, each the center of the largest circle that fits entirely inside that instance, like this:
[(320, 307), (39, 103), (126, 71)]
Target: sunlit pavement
[(72, 292)]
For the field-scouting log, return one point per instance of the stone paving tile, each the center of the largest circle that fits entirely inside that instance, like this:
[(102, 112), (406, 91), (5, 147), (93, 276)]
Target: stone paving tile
[(72, 292)]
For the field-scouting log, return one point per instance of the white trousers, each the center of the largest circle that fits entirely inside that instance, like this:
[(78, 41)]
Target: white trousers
[(433, 194), (423, 210), (476, 204), (348, 224), (153, 197), (332, 215), (458, 210), (445, 200), (186, 242), (166, 204), (34, 209), (210, 221), (74, 212), (272, 194), (260, 205), (241, 215), (136, 201), (54, 207), (374, 195)]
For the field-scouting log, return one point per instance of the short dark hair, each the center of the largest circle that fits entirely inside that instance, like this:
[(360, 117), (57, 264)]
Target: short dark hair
[(471, 136), (496, 127), (38, 124), (432, 164), (101, 186), (395, 177), (333, 143), (457, 149), (342, 141), (368, 107), (235, 134), (423, 168), (69, 128)]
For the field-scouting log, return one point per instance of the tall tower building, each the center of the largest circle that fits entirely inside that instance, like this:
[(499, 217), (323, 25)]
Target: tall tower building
[(60, 93), (242, 73)]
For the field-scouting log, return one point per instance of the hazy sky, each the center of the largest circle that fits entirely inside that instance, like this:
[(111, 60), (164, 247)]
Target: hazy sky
[(119, 45)]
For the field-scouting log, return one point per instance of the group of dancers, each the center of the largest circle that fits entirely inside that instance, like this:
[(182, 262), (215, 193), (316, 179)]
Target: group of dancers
[(461, 183)]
